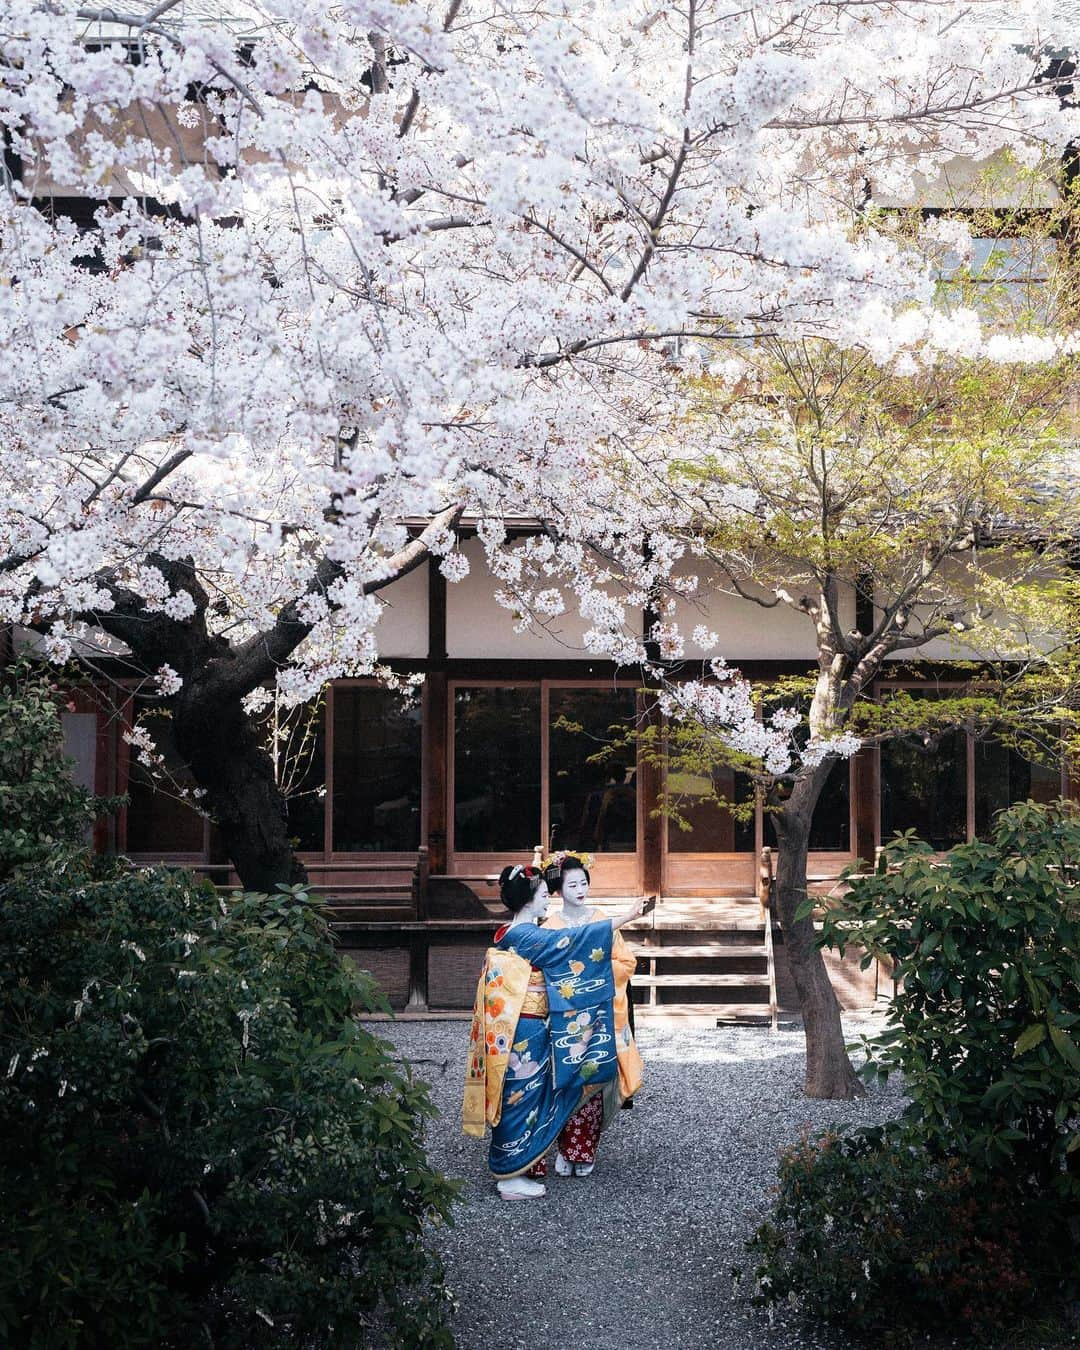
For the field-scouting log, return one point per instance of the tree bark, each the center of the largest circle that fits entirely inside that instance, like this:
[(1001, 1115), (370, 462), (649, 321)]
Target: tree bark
[(213, 733), (829, 1072), (217, 741)]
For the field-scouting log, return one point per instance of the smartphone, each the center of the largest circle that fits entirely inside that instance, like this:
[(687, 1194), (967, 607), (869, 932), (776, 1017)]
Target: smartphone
[(649, 905)]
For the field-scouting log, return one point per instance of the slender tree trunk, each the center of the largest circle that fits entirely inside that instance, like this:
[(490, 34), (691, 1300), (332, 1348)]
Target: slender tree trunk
[(220, 746), (828, 1070)]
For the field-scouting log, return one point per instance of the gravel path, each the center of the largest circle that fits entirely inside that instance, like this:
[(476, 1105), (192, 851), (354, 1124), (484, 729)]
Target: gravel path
[(638, 1256)]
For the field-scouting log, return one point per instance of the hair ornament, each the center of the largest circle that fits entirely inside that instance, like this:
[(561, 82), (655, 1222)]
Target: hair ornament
[(562, 856)]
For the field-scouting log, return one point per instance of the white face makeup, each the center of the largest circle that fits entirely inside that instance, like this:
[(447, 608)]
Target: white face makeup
[(575, 887), (537, 907)]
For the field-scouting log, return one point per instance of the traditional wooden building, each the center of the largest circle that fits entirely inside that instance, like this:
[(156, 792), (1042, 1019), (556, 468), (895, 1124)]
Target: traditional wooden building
[(405, 810)]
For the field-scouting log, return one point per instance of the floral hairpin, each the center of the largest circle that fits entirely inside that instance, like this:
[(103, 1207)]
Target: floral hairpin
[(563, 855)]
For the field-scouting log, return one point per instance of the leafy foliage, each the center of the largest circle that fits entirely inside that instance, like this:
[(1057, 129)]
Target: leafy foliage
[(958, 1215), (986, 1025), (874, 1232), (204, 1146), (41, 806)]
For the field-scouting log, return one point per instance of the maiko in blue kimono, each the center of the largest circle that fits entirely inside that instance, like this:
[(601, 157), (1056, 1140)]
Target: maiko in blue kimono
[(543, 1032), (555, 1060)]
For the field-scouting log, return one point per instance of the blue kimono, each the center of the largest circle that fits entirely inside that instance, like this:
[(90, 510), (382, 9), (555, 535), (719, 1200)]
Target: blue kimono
[(556, 1060)]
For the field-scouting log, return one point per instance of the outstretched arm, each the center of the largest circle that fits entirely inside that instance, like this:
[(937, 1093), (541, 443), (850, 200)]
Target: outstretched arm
[(637, 909)]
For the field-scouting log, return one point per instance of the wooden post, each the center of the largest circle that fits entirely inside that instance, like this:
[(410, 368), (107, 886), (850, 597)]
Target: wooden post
[(434, 726), (650, 825), (420, 884), (418, 937), (865, 779), (418, 971), (436, 778), (765, 882)]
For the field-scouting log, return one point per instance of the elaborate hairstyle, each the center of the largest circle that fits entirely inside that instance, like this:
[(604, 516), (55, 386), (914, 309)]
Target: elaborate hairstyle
[(518, 885), (562, 862)]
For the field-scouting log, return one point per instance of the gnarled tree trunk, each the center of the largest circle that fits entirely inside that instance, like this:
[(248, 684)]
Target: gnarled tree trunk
[(828, 1070), (216, 739)]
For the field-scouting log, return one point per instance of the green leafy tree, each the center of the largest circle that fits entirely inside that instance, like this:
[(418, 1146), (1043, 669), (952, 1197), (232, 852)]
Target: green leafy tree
[(893, 505), (199, 1145), (958, 1216)]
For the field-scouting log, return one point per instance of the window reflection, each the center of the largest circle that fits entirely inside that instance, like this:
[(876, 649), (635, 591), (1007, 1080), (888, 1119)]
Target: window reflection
[(295, 739), (496, 769), (712, 828), (159, 820), (377, 772), (591, 807), (1003, 776), (924, 786), (831, 828)]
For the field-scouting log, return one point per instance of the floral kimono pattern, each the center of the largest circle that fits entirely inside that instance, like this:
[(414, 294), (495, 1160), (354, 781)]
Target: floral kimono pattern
[(540, 1066), (623, 965)]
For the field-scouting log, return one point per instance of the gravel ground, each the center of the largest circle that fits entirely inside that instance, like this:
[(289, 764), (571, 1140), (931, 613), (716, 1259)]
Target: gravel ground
[(636, 1257)]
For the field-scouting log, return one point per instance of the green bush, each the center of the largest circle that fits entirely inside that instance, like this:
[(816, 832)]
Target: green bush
[(986, 1025), (41, 807), (200, 1145), (963, 1213), (871, 1230)]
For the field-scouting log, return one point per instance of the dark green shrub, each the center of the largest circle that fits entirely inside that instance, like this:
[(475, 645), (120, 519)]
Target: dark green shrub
[(963, 1214), (41, 807), (872, 1230), (986, 1025), (198, 1145)]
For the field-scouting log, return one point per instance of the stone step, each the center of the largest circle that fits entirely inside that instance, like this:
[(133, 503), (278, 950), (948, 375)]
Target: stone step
[(733, 981)]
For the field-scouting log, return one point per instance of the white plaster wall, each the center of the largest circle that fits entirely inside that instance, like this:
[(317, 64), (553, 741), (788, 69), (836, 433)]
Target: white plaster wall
[(960, 182), (477, 626), (402, 629), (956, 648), (746, 631)]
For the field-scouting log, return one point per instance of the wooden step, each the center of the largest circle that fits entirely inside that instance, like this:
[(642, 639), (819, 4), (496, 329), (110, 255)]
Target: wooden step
[(706, 1012), (374, 912), (731, 981), (711, 951)]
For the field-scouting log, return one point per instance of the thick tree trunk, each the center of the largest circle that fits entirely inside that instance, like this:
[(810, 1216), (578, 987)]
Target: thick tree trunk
[(828, 1070), (213, 733), (217, 741)]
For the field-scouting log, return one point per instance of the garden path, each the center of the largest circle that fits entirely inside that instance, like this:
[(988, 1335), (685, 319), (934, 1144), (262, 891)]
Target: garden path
[(637, 1257)]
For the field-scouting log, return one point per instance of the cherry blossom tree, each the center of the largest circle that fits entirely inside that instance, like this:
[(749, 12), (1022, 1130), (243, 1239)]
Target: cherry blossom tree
[(923, 505), (355, 270)]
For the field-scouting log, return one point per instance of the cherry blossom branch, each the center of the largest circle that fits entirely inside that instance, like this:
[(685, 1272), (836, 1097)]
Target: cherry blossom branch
[(259, 658)]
